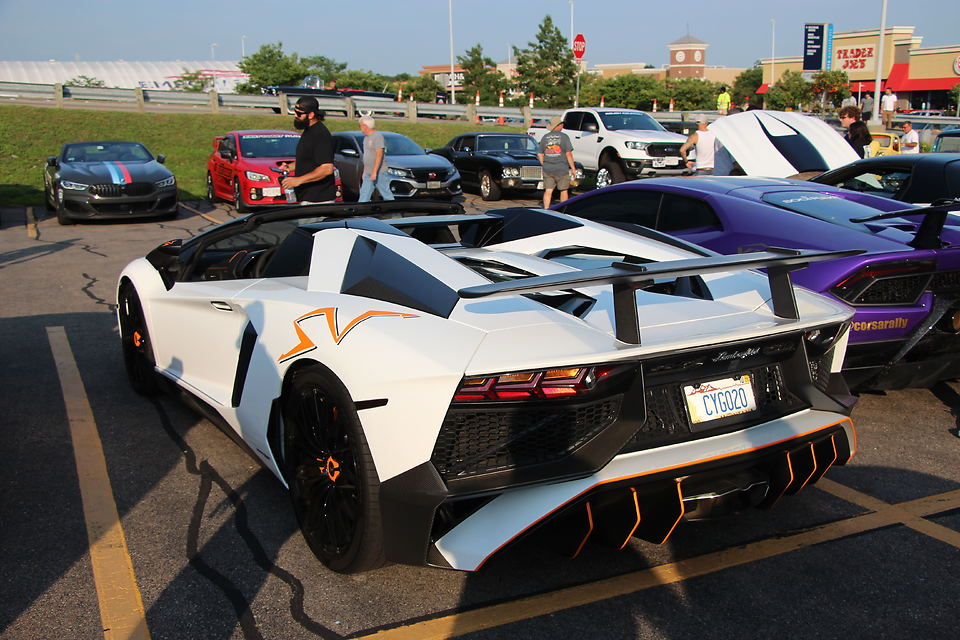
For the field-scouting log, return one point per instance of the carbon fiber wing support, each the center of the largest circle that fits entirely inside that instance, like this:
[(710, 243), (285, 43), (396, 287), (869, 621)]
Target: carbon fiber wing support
[(931, 227), (626, 278)]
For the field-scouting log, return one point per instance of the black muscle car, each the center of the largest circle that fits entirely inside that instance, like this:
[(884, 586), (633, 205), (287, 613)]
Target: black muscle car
[(492, 162), (108, 179)]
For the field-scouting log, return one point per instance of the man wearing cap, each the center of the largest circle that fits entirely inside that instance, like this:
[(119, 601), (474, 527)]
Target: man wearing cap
[(556, 157), (703, 142), (312, 176)]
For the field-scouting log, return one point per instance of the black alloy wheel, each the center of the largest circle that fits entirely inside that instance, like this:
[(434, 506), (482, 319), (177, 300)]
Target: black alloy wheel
[(333, 482), (238, 202), (135, 342)]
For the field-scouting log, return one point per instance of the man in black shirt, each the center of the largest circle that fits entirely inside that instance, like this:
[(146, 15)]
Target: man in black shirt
[(313, 170)]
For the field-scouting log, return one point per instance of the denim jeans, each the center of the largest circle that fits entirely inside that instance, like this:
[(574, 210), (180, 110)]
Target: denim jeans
[(382, 184)]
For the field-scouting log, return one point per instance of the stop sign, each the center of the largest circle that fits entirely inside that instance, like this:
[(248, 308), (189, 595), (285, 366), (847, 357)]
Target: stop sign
[(579, 46)]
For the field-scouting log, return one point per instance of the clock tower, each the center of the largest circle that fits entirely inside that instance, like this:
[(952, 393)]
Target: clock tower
[(688, 58)]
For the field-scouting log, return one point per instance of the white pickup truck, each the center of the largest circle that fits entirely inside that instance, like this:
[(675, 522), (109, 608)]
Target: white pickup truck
[(620, 144)]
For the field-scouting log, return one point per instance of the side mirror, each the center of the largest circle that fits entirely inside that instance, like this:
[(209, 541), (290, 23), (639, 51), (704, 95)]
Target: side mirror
[(161, 158), (468, 150), (51, 161), (226, 155)]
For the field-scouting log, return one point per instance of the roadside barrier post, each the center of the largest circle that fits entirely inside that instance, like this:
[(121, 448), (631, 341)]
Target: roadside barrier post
[(282, 102), (472, 113), (412, 111), (351, 114), (58, 95), (138, 95), (214, 101), (527, 116)]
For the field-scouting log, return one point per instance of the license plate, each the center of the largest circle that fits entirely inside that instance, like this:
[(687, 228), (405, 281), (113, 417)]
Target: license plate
[(540, 185), (719, 399), (433, 184), (671, 162), (659, 162), (271, 191)]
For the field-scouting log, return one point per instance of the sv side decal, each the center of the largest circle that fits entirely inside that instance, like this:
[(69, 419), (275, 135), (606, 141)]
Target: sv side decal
[(307, 344)]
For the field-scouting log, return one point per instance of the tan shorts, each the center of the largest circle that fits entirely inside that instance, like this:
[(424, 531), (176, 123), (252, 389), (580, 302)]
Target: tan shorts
[(559, 181)]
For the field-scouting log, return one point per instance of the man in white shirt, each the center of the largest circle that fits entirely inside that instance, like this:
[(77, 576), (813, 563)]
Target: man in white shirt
[(910, 140), (704, 142), (888, 105)]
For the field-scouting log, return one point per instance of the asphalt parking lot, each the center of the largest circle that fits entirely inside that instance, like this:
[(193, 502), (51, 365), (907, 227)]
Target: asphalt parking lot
[(203, 544)]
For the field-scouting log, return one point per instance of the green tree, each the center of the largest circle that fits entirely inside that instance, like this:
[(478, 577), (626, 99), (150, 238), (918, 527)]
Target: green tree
[(629, 91), (270, 66), (324, 68), (790, 92), (193, 81), (746, 84), (691, 94), (955, 98), (547, 68), (832, 86), (480, 74), (424, 89), (363, 80), (85, 81)]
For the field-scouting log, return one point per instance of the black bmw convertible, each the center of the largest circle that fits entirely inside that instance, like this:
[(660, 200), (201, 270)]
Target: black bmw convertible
[(108, 179)]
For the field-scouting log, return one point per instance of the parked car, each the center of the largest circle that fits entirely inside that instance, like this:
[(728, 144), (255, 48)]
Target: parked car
[(494, 162), (904, 290), (108, 179), (432, 388), (778, 144), (245, 168), (413, 172), (920, 178), (620, 144), (947, 142), (884, 144)]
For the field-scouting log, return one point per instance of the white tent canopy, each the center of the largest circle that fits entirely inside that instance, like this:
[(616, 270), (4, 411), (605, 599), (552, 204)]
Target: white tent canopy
[(123, 74)]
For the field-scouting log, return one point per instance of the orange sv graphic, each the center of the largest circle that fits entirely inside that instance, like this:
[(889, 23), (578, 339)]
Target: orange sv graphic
[(307, 344)]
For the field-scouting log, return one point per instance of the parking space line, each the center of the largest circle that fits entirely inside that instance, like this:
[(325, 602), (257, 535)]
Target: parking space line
[(562, 599), (201, 214), (121, 608), (909, 518)]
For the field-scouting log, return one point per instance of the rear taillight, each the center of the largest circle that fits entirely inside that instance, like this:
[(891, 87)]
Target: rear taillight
[(543, 384), (885, 284)]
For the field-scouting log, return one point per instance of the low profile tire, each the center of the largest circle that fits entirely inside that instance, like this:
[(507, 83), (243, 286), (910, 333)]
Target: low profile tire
[(211, 194), (62, 216), (610, 173), (135, 343), (238, 202), (333, 482), (489, 189)]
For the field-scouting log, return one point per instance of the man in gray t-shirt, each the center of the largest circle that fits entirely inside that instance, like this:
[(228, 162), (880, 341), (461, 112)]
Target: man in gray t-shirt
[(556, 157), (374, 148)]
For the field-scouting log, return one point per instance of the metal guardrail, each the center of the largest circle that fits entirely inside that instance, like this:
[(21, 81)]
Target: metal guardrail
[(350, 107)]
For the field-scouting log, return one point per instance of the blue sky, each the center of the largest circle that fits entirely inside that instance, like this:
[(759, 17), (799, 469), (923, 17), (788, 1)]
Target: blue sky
[(392, 36)]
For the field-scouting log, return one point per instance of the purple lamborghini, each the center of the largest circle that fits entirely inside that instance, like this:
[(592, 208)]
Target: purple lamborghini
[(905, 288)]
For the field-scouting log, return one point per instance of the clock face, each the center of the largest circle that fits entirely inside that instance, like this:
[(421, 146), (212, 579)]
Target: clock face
[(698, 56), (680, 56)]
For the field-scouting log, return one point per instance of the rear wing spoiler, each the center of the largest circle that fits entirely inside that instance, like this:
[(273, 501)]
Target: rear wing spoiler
[(931, 228), (626, 278)]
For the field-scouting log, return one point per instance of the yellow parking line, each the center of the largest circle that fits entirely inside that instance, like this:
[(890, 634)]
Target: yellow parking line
[(121, 609), (908, 517), (562, 599), (201, 214)]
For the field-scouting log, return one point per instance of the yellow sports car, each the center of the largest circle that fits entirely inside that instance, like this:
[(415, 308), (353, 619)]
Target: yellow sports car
[(884, 144)]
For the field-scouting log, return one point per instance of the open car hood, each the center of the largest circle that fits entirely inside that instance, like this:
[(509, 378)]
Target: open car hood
[(778, 144)]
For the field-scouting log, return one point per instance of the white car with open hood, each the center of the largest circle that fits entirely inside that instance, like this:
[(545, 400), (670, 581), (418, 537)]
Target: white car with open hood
[(433, 388), (778, 144)]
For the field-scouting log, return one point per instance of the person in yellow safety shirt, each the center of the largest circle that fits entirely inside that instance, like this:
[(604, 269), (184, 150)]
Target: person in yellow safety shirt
[(723, 101)]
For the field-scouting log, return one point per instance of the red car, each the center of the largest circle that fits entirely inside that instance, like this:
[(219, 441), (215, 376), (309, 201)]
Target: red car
[(244, 167)]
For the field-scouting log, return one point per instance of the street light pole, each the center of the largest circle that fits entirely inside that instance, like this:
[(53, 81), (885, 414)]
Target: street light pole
[(875, 117), (571, 22), (212, 46), (453, 85), (243, 49), (773, 52)]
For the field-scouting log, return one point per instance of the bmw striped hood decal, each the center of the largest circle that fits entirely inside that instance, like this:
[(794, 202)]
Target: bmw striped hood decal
[(118, 172)]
